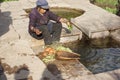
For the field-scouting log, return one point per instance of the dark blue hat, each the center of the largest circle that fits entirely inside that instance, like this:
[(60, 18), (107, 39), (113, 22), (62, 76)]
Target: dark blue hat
[(42, 3)]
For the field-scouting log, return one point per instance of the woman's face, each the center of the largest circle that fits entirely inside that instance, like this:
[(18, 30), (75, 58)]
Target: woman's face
[(42, 11)]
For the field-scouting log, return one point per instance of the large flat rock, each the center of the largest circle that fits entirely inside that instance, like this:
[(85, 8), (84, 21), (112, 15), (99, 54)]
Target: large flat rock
[(17, 55), (96, 22)]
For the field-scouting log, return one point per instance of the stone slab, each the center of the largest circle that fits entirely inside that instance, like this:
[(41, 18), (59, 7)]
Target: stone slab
[(70, 70), (18, 53), (116, 35), (95, 19), (111, 75)]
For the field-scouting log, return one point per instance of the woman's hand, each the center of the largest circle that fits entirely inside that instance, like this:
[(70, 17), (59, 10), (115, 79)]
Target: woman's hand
[(37, 31), (64, 20)]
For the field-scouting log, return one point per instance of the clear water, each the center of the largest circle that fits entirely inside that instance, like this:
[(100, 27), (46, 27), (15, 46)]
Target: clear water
[(98, 58), (101, 60)]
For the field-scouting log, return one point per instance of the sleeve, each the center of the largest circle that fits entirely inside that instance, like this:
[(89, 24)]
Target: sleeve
[(32, 20), (53, 16)]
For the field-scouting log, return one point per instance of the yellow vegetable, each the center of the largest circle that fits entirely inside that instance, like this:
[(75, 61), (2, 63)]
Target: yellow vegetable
[(49, 58), (69, 26)]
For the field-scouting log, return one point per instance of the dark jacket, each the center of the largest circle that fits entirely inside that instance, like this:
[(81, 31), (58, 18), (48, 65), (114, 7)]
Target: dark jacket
[(36, 19)]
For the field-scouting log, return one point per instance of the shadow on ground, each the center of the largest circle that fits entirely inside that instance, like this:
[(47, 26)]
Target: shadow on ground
[(56, 74), (5, 22), (22, 74), (2, 75)]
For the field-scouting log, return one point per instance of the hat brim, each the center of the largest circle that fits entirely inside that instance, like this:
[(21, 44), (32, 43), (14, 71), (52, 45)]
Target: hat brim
[(45, 7)]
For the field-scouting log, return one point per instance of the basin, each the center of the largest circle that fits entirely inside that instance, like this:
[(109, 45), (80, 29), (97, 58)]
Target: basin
[(63, 12)]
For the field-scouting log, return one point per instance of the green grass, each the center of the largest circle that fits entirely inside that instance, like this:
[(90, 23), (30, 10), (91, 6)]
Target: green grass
[(107, 2), (7, 0), (109, 5), (112, 10)]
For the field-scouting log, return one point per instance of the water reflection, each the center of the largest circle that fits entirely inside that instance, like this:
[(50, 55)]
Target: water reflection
[(103, 60), (101, 57)]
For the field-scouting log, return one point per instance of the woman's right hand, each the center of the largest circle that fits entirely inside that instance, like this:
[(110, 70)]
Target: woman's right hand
[(37, 31)]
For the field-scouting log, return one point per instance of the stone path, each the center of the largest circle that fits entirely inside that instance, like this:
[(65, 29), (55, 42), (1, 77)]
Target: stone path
[(16, 45)]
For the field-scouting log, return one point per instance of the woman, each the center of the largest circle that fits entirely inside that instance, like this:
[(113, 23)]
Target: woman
[(40, 25)]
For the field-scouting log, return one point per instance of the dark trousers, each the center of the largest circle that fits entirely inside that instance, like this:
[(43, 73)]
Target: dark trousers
[(50, 33)]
